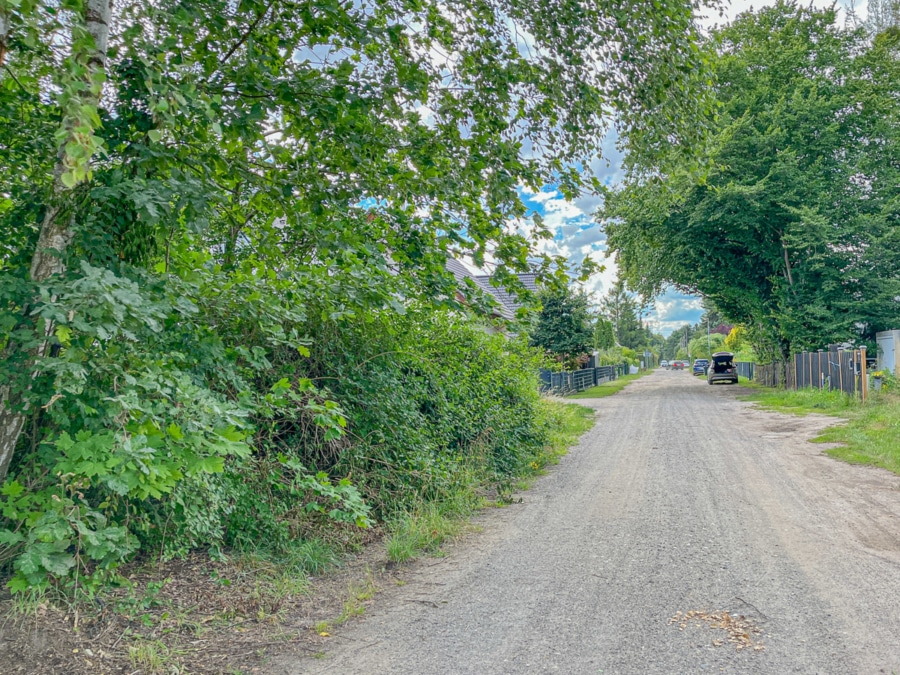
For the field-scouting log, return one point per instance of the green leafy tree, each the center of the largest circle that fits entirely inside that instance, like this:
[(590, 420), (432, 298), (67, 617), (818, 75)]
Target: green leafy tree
[(624, 311), (792, 232), (604, 334), (342, 144), (736, 339), (703, 346), (563, 328), (202, 202), (882, 15)]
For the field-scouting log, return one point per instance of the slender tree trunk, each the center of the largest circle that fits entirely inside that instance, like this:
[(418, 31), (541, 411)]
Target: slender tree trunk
[(4, 36), (11, 423), (56, 230), (787, 267)]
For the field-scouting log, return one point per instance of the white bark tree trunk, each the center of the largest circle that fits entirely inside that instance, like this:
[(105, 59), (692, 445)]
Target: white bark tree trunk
[(56, 230), (4, 36)]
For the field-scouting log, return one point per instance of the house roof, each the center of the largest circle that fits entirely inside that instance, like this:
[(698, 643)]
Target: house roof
[(508, 303), (507, 299), (459, 270)]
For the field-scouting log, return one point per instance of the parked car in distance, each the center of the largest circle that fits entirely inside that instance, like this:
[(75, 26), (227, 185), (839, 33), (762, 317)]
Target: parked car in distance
[(663, 364), (677, 365), (700, 366), (722, 368)]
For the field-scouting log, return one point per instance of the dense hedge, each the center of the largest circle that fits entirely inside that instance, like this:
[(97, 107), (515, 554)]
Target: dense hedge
[(184, 416)]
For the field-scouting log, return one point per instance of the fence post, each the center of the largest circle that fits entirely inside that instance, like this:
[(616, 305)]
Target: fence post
[(841, 369), (863, 378)]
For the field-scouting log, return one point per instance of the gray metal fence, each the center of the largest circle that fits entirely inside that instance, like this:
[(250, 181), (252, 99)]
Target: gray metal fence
[(745, 368), (572, 381)]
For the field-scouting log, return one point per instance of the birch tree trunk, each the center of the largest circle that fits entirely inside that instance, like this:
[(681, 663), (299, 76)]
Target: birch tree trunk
[(4, 35), (56, 229)]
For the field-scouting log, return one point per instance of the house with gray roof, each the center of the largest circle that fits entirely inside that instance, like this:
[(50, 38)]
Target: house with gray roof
[(506, 303)]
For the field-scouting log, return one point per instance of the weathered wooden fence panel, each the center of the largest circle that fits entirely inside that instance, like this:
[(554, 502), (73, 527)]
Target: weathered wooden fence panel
[(837, 369)]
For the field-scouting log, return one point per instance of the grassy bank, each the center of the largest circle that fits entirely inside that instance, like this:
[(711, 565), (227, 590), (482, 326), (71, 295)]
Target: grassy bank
[(426, 527), (871, 434), (609, 388), (193, 615)]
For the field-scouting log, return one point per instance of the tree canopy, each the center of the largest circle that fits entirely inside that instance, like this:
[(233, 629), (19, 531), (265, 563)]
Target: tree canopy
[(793, 230), (623, 309), (562, 328), (212, 213)]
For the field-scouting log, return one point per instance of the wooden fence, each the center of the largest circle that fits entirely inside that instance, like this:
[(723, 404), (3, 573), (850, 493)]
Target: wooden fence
[(837, 369)]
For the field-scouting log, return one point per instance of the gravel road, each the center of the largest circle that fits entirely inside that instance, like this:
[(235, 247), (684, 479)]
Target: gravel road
[(681, 499)]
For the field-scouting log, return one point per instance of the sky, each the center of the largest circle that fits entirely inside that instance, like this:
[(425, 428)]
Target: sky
[(577, 235)]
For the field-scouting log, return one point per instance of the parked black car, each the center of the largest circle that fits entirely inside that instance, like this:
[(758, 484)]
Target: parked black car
[(722, 368)]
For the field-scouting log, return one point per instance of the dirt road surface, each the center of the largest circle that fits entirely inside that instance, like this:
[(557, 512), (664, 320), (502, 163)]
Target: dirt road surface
[(681, 499)]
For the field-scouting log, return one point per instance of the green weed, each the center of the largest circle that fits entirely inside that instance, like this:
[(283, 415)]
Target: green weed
[(426, 526), (429, 525), (804, 401), (27, 604), (872, 436), (153, 656), (565, 423), (358, 594)]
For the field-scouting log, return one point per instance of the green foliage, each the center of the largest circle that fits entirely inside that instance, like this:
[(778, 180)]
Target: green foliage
[(562, 328), (604, 334), (703, 346), (225, 315), (425, 526), (623, 310), (792, 232), (736, 339)]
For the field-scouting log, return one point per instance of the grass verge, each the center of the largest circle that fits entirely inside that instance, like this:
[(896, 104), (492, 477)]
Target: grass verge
[(430, 524), (871, 434), (197, 614), (609, 388)]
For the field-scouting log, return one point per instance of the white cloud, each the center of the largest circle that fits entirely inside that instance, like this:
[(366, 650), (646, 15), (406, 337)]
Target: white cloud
[(712, 17), (577, 235)]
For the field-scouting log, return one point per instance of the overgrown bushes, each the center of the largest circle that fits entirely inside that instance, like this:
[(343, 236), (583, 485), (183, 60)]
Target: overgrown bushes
[(186, 411)]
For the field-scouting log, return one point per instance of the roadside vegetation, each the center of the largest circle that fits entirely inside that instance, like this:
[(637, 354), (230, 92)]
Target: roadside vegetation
[(424, 526), (871, 433), (227, 325), (789, 229)]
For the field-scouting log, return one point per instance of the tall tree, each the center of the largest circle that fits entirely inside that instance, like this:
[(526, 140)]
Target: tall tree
[(793, 231), (347, 147), (75, 142), (624, 311), (882, 15), (563, 327), (604, 333)]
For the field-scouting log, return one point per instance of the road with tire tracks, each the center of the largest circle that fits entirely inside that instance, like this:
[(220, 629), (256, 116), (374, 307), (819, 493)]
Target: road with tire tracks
[(686, 533)]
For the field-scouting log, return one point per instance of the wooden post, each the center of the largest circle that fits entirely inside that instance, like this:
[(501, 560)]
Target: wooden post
[(863, 377), (841, 369)]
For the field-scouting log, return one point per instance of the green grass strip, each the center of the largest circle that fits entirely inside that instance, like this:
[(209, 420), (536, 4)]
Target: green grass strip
[(424, 528), (871, 434), (609, 388)]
